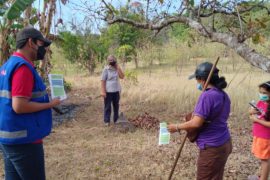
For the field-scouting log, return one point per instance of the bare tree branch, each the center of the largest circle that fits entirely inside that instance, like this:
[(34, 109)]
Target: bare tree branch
[(240, 22), (227, 11), (232, 41), (107, 6), (156, 19), (147, 9)]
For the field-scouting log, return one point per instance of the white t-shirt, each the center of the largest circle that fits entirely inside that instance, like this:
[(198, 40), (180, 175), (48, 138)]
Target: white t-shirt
[(111, 77)]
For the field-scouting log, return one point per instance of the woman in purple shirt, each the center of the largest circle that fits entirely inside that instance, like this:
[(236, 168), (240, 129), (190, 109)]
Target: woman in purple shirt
[(210, 115)]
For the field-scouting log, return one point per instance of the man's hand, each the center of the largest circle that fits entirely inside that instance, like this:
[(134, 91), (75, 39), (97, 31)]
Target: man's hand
[(55, 102)]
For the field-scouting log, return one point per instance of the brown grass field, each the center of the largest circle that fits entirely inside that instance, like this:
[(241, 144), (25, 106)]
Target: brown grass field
[(84, 149)]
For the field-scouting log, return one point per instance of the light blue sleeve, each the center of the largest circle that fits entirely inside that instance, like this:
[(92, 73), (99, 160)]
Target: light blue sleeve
[(104, 75)]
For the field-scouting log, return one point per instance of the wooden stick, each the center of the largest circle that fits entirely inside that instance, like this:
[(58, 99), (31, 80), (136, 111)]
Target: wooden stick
[(210, 74), (177, 157), (185, 138)]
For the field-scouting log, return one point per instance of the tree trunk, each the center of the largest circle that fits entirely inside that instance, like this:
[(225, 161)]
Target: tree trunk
[(27, 16), (91, 65), (124, 63), (4, 53), (45, 27), (136, 61), (5, 47), (52, 10), (254, 58), (91, 68), (45, 65)]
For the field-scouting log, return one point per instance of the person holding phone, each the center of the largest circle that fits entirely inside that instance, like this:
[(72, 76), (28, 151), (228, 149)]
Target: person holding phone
[(110, 88), (261, 130)]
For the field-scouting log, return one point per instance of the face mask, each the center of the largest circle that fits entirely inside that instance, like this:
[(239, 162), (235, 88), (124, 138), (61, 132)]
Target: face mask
[(41, 52), (199, 87), (112, 63), (263, 97)]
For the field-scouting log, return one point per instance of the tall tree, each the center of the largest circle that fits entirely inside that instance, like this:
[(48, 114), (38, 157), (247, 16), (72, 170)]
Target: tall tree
[(122, 39), (127, 38), (230, 22), (45, 24), (83, 49), (15, 14)]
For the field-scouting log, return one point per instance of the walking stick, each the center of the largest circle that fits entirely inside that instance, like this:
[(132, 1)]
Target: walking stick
[(185, 138)]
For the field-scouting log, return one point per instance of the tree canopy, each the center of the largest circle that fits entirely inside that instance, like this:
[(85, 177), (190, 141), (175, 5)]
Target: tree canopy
[(230, 22)]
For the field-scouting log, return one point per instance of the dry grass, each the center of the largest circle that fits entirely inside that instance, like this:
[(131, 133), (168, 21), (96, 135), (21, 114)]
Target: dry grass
[(84, 149)]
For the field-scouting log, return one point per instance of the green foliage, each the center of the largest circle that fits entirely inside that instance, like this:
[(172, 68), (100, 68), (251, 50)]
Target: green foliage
[(254, 24), (131, 77), (34, 18), (191, 2), (10, 20), (2, 2), (124, 39), (109, 36), (16, 26), (180, 32), (128, 35), (258, 38), (98, 47), (83, 49), (11, 41), (67, 86), (122, 34), (16, 9), (126, 51), (70, 45)]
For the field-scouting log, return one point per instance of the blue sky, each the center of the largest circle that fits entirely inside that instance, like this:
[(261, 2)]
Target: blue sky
[(65, 12)]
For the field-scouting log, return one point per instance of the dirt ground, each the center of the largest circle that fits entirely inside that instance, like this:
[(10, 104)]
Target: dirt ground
[(83, 148)]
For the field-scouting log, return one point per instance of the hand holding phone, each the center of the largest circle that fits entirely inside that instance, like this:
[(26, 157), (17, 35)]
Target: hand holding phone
[(255, 107)]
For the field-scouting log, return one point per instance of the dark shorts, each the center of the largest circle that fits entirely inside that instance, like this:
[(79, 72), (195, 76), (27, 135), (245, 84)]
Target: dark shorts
[(212, 160)]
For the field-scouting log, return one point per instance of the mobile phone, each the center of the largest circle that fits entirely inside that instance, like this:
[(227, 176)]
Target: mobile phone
[(254, 106)]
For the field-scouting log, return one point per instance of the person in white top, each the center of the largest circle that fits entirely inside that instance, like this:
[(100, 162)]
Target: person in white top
[(110, 88)]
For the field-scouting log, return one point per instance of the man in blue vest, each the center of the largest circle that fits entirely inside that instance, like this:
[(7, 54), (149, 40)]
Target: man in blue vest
[(25, 109)]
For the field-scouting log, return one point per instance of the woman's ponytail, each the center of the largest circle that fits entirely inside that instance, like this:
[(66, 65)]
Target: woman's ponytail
[(219, 82)]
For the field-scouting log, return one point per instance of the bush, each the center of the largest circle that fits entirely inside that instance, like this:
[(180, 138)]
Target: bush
[(67, 86), (131, 77)]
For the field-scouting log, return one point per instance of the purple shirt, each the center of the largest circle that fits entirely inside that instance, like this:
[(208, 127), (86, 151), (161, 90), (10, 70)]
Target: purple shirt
[(214, 106)]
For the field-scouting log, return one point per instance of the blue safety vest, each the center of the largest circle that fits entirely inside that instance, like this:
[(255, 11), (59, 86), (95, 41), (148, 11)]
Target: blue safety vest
[(27, 127)]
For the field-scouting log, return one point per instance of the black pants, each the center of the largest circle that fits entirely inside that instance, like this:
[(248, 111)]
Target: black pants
[(111, 98)]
